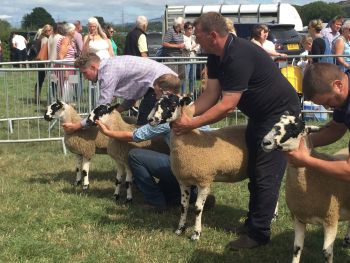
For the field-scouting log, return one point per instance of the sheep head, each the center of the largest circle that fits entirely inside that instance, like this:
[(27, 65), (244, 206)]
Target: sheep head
[(99, 112), (54, 109), (286, 134), (167, 109)]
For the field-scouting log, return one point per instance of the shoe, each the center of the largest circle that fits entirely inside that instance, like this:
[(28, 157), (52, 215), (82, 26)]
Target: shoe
[(209, 202), (157, 209), (237, 229), (243, 242)]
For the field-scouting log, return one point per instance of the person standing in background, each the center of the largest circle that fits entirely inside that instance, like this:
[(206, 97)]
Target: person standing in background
[(78, 38), (96, 40), (320, 45), (19, 44), (110, 32), (341, 46), (191, 49), (43, 38), (136, 41), (332, 31), (173, 45)]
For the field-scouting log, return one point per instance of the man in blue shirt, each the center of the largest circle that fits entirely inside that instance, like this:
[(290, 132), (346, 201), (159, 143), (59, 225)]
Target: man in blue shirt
[(327, 85), (151, 170)]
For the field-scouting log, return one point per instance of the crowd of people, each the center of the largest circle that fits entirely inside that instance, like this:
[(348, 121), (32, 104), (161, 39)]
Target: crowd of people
[(241, 74)]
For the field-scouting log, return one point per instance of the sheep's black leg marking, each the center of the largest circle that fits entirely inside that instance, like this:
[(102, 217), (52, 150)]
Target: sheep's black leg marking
[(296, 250), (185, 200), (84, 174), (201, 197)]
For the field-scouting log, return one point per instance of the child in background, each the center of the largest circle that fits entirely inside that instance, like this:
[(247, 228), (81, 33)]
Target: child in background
[(306, 42)]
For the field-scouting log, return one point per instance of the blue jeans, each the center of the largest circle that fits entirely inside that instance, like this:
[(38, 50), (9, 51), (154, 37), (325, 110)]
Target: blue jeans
[(147, 165), (190, 78)]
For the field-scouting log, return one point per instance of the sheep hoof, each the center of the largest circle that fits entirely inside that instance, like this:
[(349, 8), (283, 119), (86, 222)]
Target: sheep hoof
[(76, 183), (116, 197), (128, 200), (180, 230), (346, 242), (85, 187), (195, 236)]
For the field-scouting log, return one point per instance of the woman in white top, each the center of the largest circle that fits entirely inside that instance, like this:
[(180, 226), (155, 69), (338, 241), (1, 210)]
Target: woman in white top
[(96, 40), (190, 50), (259, 37)]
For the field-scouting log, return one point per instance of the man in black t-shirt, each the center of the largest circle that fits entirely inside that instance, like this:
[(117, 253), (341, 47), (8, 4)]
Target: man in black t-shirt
[(327, 85), (242, 75)]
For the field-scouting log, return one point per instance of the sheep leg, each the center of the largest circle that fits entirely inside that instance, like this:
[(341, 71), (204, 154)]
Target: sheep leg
[(78, 169), (128, 185), (118, 180), (299, 236), (346, 241), (85, 173), (201, 197), (185, 202), (330, 232)]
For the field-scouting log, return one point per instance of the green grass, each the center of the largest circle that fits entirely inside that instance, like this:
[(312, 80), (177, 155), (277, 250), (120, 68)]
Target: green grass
[(46, 219)]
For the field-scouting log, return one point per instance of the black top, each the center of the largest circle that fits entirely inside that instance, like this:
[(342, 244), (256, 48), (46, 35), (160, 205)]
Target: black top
[(342, 114), (131, 42), (318, 48), (247, 68)]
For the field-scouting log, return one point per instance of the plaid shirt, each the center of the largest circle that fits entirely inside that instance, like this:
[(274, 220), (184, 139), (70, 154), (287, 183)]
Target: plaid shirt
[(128, 77)]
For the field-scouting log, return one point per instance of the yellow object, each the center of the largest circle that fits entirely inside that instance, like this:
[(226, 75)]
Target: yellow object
[(294, 75)]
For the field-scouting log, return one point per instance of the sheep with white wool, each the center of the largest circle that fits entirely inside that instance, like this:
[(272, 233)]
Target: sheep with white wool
[(84, 143), (201, 157), (311, 196), (118, 149)]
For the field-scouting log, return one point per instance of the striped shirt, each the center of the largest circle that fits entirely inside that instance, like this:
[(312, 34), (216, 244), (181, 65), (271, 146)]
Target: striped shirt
[(172, 37)]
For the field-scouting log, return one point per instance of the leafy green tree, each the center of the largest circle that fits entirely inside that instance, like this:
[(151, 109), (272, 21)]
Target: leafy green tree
[(319, 10), (5, 29), (37, 19), (101, 21)]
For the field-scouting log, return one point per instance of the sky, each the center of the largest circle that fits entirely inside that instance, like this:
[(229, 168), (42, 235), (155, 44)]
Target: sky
[(116, 12)]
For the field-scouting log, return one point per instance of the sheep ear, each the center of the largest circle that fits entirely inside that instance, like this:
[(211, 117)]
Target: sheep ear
[(286, 113), (59, 102), (73, 105), (114, 106), (185, 101)]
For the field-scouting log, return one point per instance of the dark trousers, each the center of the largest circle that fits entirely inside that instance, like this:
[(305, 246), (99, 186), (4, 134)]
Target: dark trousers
[(39, 83), (146, 165), (265, 172), (146, 105)]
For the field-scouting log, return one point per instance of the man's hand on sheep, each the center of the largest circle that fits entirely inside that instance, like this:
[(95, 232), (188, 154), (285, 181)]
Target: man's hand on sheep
[(103, 128), (71, 127), (300, 156), (182, 125)]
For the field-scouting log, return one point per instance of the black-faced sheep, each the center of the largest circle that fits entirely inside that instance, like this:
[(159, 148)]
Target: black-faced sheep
[(201, 157), (118, 149), (311, 196), (83, 143)]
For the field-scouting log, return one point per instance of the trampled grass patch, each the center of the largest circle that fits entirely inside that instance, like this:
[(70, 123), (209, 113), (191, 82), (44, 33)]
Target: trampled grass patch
[(46, 219)]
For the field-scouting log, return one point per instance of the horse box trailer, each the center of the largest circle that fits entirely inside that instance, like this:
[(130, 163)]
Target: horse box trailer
[(280, 13)]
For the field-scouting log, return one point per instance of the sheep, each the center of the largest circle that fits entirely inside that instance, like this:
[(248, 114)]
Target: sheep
[(311, 196), (83, 143), (118, 149), (200, 157)]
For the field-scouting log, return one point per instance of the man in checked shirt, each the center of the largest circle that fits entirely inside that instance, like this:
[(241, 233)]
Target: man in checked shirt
[(128, 77)]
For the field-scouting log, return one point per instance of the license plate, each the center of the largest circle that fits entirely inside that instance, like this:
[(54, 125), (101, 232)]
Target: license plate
[(292, 46)]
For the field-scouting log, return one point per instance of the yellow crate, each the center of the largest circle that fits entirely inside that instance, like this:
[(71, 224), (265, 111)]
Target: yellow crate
[(294, 75)]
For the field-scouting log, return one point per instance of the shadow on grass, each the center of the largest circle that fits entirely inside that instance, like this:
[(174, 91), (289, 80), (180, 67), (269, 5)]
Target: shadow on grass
[(280, 249)]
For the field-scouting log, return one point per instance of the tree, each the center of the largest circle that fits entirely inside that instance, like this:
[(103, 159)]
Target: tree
[(37, 19), (319, 10), (5, 29)]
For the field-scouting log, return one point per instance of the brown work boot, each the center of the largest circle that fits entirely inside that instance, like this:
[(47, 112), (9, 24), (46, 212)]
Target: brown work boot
[(243, 242)]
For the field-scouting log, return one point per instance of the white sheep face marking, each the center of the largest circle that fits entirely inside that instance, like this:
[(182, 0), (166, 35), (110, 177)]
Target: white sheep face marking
[(55, 110), (167, 109), (285, 135), (98, 113)]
